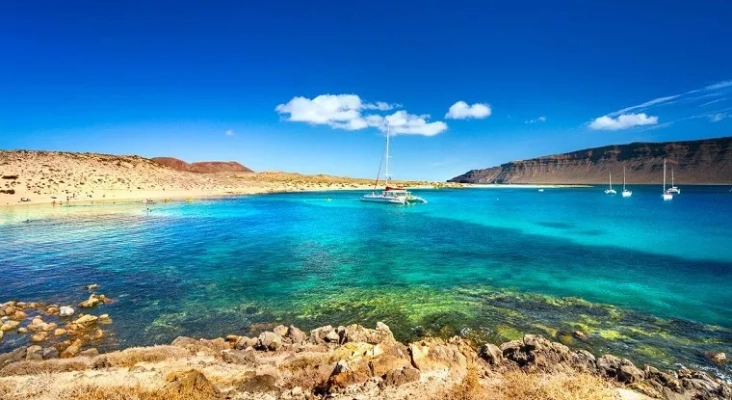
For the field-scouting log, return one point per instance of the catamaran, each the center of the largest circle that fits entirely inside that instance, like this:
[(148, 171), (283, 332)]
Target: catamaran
[(611, 190), (625, 192), (390, 195), (666, 195), (673, 188)]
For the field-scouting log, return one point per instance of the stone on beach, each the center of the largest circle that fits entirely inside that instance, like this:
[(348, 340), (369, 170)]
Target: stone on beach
[(66, 311), (296, 335), (269, 341)]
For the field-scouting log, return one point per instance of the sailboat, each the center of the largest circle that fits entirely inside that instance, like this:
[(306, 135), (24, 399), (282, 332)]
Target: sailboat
[(666, 195), (611, 190), (625, 192), (673, 188), (390, 195)]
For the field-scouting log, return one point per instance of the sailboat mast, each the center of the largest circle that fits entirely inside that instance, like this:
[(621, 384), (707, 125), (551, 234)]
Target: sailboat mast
[(623, 177), (672, 176), (611, 180), (386, 176), (664, 176)]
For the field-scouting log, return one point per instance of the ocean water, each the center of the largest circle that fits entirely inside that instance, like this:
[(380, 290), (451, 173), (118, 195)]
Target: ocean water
[(643, 278)]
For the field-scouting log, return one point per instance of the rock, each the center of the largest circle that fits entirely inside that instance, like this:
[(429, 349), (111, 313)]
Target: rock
[(9, 326), (89, 303), (104, 319), (662, 379), (212, 347), (91, 287), (295, 335), (583, 361), (189, 383), (49, 353), (89, 353), (23, 330), (66, 311), (269, 341), (400, 376), (357, 333), (85, 321), (264, 383), (241, 357), (536, 352), (333, 337), (14, 356), (52, 310), (317, 336), (39, 337), (580, 335), (232, 338), (245, 342), (34, 353), (18, 316), (621, 370), (36, 325), (717, 357), (59, 332), (280, 330), (433, 354), (72, 350), (491, 353), (96, 334), (2, 333), (296, 391)]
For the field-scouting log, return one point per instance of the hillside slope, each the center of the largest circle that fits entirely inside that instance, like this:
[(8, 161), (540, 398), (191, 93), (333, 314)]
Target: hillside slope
[(205, 167), (707, 161)]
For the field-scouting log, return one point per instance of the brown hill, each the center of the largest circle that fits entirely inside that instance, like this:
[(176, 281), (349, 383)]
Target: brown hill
[(707, 161), (205, 167)]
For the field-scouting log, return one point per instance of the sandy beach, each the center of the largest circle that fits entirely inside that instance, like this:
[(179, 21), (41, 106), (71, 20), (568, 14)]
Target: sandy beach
[(58, 178)]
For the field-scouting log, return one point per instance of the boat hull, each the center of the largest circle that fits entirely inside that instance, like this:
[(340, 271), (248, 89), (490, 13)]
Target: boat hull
[(627, 193), (383, 199)]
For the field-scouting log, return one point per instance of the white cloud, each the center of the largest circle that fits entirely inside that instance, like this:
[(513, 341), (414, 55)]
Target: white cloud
[(717, 117), (624, 121), (535, 120), (712, 102), (462, 110), (381, 106), (345, 111), (654, 102), (230, 132), (719, 85)]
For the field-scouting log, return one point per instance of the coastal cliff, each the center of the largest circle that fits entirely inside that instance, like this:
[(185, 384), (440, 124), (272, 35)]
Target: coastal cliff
[(706, 161)]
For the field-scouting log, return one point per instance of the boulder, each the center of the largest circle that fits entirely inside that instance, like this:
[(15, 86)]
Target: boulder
[(91, 287), (59, 332), (241, 357), (269, 341), (280, 330), (85, 321), (357, 333), (662, 380), (295, 335), (2, 333), (49, 353), (14, 356), (318, 335), (619, 369), (333, 337), (34, 353), (72, 350), (433, 354), (52, 310), (717, 357), (245, 342), (91, 302), (23, 330), (536, 352), (491, 353), (104, 319), (18, 316), (66, 311), (400, 376), (89, 353), (9, 325), (39, 337)]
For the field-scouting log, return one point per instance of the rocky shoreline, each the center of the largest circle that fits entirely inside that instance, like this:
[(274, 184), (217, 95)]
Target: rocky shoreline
[(326, 362)]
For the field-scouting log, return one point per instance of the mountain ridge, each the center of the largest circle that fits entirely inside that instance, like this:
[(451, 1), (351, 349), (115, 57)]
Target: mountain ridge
[(704, 161), (204, 167)]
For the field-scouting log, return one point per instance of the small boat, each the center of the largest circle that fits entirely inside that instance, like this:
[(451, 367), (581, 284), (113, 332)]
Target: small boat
[(673, 189), (610, 190), (625, 192), (541, 190), (665, 194), (390, 195)]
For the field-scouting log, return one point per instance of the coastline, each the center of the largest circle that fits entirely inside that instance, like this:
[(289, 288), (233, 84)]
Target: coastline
[(326, 362)]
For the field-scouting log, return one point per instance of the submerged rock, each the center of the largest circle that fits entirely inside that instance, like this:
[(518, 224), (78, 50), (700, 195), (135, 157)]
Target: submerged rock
[(9, 325), (717, 357), (66, 311)]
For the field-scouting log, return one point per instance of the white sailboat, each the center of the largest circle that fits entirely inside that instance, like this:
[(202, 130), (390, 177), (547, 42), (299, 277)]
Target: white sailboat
[(390, 195), (673, 188), (666, 195), (611, 190), (625, 192)]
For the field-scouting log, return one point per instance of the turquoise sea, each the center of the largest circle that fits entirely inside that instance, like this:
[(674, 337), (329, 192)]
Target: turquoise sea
[(642, 278)]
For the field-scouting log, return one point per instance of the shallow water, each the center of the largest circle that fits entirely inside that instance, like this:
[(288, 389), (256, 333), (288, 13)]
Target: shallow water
[(644, 278)]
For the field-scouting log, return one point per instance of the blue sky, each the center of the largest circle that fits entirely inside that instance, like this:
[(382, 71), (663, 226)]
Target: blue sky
[(309, 86)]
